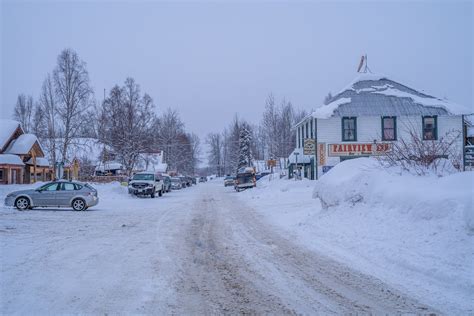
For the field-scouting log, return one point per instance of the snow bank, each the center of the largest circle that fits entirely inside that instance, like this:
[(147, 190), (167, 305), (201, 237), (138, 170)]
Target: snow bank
[(364, 181), (415, 233)]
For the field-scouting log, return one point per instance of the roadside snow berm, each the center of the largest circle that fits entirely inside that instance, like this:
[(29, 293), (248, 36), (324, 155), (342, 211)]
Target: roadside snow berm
[(365, 181)]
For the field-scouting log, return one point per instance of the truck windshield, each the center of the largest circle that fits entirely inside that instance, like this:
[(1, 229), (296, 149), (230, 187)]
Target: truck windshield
[(245, 178), (147, 177)]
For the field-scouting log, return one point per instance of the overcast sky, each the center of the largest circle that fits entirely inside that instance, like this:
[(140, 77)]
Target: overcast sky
[(211, 60)]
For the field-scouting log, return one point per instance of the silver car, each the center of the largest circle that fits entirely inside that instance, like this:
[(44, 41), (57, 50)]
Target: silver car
[(77, 195)]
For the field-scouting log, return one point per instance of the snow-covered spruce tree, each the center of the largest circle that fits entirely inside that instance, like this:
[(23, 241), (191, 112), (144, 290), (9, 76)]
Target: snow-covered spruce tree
[(245, 152)]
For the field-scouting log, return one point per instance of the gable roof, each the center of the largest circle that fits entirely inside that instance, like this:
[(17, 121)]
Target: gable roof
[(23, 144), (376, 95), (7, 129)]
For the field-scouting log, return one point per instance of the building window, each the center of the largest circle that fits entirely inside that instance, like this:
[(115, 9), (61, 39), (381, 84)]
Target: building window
[(1, 174), (389, 128), (349, 129), (430, 128), (307, 129), (311, 127)]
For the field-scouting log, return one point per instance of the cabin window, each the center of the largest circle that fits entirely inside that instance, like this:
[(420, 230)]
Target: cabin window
[(311, 127), (430, 128), (349, 129), (389, 128), (1, 174)]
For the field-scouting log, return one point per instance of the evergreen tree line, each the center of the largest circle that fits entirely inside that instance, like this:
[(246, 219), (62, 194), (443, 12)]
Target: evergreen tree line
[(126, 123), (242, 142)]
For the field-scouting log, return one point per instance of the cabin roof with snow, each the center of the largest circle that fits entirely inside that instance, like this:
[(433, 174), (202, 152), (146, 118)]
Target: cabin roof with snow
[(9, 130), (376, 95), (9, 159), (24, 144)]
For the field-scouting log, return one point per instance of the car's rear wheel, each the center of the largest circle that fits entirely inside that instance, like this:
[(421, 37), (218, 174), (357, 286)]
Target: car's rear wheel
[(160, 193), (79, 205), (152, 195), (22, 203)]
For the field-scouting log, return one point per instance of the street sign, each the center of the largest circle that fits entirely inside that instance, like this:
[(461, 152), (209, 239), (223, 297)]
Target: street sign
[(309, 146)]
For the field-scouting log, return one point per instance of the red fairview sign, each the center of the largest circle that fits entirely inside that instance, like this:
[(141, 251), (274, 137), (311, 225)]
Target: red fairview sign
[(359, 149)]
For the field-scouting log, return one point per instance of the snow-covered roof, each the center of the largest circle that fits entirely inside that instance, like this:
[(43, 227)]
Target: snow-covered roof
[(82, 147), (302, 158), (40, 161), (22, 145), (7, 128), (376, 95), (111, 165), (161, 167), (10, 159)]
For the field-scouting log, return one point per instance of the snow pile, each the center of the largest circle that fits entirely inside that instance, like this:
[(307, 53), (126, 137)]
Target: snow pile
[(364, 181), (415, 233)]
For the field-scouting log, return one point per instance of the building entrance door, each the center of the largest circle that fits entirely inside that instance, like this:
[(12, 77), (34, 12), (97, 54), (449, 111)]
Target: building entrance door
[(13, 176)]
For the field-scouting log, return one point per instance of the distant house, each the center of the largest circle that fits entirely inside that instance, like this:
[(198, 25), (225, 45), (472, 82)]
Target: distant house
[(365, 118), (21, 156), (152, 161)]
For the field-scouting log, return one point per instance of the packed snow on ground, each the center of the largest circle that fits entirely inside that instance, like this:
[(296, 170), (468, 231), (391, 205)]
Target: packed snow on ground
[(62, 262), (416, 233)]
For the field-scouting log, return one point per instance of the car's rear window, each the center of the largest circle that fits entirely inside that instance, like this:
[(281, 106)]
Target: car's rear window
[(87, 185)]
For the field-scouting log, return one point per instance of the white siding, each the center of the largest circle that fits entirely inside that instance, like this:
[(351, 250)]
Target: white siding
[(369, 128)]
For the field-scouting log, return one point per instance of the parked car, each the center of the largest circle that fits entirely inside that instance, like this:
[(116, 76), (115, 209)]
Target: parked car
[(166, 182), (145, 183), (202, 179), (229, 181), (194, 180), (176, 183), (77, 195), (245, 179)]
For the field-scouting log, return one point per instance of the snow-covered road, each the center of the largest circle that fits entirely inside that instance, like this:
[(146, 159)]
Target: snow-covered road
[(202, 250)]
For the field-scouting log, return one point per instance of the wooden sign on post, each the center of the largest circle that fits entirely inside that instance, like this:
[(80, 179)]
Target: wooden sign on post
[(309, 146)]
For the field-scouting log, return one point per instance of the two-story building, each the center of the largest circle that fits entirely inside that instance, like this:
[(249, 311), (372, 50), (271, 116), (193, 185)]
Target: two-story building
[(21, 156), (366, 117)]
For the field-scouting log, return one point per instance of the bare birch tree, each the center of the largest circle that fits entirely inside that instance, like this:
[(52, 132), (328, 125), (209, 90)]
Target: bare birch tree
[(24, 111), (48, 104), (73, 93)]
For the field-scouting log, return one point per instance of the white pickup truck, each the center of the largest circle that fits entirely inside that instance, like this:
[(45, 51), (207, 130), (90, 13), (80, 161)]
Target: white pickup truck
[(145, 183)]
